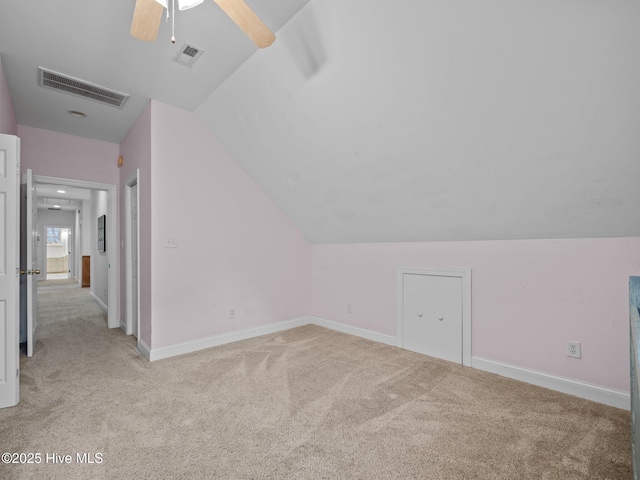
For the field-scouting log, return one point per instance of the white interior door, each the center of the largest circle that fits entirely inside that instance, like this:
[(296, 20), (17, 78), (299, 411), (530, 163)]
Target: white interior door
[(29, 258), (134, 259), (432, 315), (9, 270)]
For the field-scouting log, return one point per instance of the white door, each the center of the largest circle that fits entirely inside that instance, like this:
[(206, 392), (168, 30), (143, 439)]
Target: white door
[(134, 259), (9, 270), (29, 259), (432, 315)]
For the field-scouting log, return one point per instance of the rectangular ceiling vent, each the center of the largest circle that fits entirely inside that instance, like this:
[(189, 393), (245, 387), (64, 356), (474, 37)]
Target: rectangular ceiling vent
[(188, 55), (74, 86)]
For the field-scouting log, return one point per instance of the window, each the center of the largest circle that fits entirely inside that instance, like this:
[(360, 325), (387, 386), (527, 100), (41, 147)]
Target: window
[(53, 235)]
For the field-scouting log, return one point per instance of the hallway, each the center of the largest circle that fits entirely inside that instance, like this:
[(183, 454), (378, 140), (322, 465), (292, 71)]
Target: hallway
[(66, 310), (69, 319)]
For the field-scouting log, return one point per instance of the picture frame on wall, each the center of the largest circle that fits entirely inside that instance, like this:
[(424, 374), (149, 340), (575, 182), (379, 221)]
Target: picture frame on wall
[(102, 230)]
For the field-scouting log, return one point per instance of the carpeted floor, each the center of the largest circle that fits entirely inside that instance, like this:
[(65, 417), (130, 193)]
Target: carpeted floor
[(308, 403), (58, 283)]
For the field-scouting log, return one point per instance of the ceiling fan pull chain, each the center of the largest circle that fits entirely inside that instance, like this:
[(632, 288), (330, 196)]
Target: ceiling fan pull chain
[(173, 20)]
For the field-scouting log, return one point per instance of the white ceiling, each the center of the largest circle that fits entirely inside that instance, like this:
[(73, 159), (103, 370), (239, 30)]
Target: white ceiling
[(49, 195), (412, 120), (444, 120), (90, 40)]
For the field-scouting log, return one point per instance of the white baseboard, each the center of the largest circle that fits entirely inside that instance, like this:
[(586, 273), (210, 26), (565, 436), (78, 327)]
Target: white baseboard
[(584, 390), (356, 331), (613, 398), (99, 302), (144, 349), (195, 345)]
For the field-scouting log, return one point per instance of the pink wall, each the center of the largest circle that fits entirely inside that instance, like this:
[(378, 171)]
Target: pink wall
[(67, 156), (529, 297), (235, 248), (136, 152), (8, 123)]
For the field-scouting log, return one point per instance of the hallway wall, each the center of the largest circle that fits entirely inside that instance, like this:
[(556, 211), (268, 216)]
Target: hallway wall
[(67, 156), (235, 249), (99, 260)]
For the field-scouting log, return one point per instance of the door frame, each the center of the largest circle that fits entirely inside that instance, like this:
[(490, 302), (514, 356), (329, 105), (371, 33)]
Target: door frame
[(134, 179), (113, 252), (42, 247), (465, 276)]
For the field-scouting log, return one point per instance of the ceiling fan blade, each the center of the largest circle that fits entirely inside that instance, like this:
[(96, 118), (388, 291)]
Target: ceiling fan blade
[(146, 20), (248, 21)]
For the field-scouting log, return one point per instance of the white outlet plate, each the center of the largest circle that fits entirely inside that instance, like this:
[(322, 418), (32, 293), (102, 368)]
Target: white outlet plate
[(574, 349)]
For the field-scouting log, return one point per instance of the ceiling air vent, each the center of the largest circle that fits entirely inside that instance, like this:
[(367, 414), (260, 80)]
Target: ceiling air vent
[(74, 86), (187, 55)]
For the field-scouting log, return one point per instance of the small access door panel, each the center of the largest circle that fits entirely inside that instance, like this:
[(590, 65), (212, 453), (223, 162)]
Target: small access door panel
[(432, 320)]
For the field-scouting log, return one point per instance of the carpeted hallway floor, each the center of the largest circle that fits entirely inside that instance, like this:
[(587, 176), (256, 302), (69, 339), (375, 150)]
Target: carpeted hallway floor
[(308, 403)]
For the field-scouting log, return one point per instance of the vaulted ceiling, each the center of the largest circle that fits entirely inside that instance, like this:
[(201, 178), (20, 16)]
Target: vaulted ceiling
[(370, 121), (90, 40)]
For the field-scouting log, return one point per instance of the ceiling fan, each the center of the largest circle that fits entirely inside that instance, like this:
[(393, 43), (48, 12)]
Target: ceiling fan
[(148, 13)]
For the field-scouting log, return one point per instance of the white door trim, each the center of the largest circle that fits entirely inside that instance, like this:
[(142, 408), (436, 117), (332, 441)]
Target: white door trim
[(42, 250), (113, 242), (465, 276), (131, 181)]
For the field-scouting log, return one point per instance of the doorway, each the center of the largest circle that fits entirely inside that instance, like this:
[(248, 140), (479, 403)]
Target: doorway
[(132, 249), (433, 313), (58, 252), (109, 258)]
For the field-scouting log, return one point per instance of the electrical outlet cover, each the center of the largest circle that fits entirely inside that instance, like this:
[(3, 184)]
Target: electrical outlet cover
[(574, 349)]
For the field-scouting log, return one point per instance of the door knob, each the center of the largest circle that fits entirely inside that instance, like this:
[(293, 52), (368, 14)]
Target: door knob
[(441, 318), (420, 314), (29, 272)]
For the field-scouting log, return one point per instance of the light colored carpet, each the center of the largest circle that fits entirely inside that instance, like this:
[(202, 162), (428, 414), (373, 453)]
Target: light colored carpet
[(63, 282), (308, 403)]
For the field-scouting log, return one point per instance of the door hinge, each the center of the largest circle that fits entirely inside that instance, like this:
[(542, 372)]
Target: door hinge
[(17, 372)]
